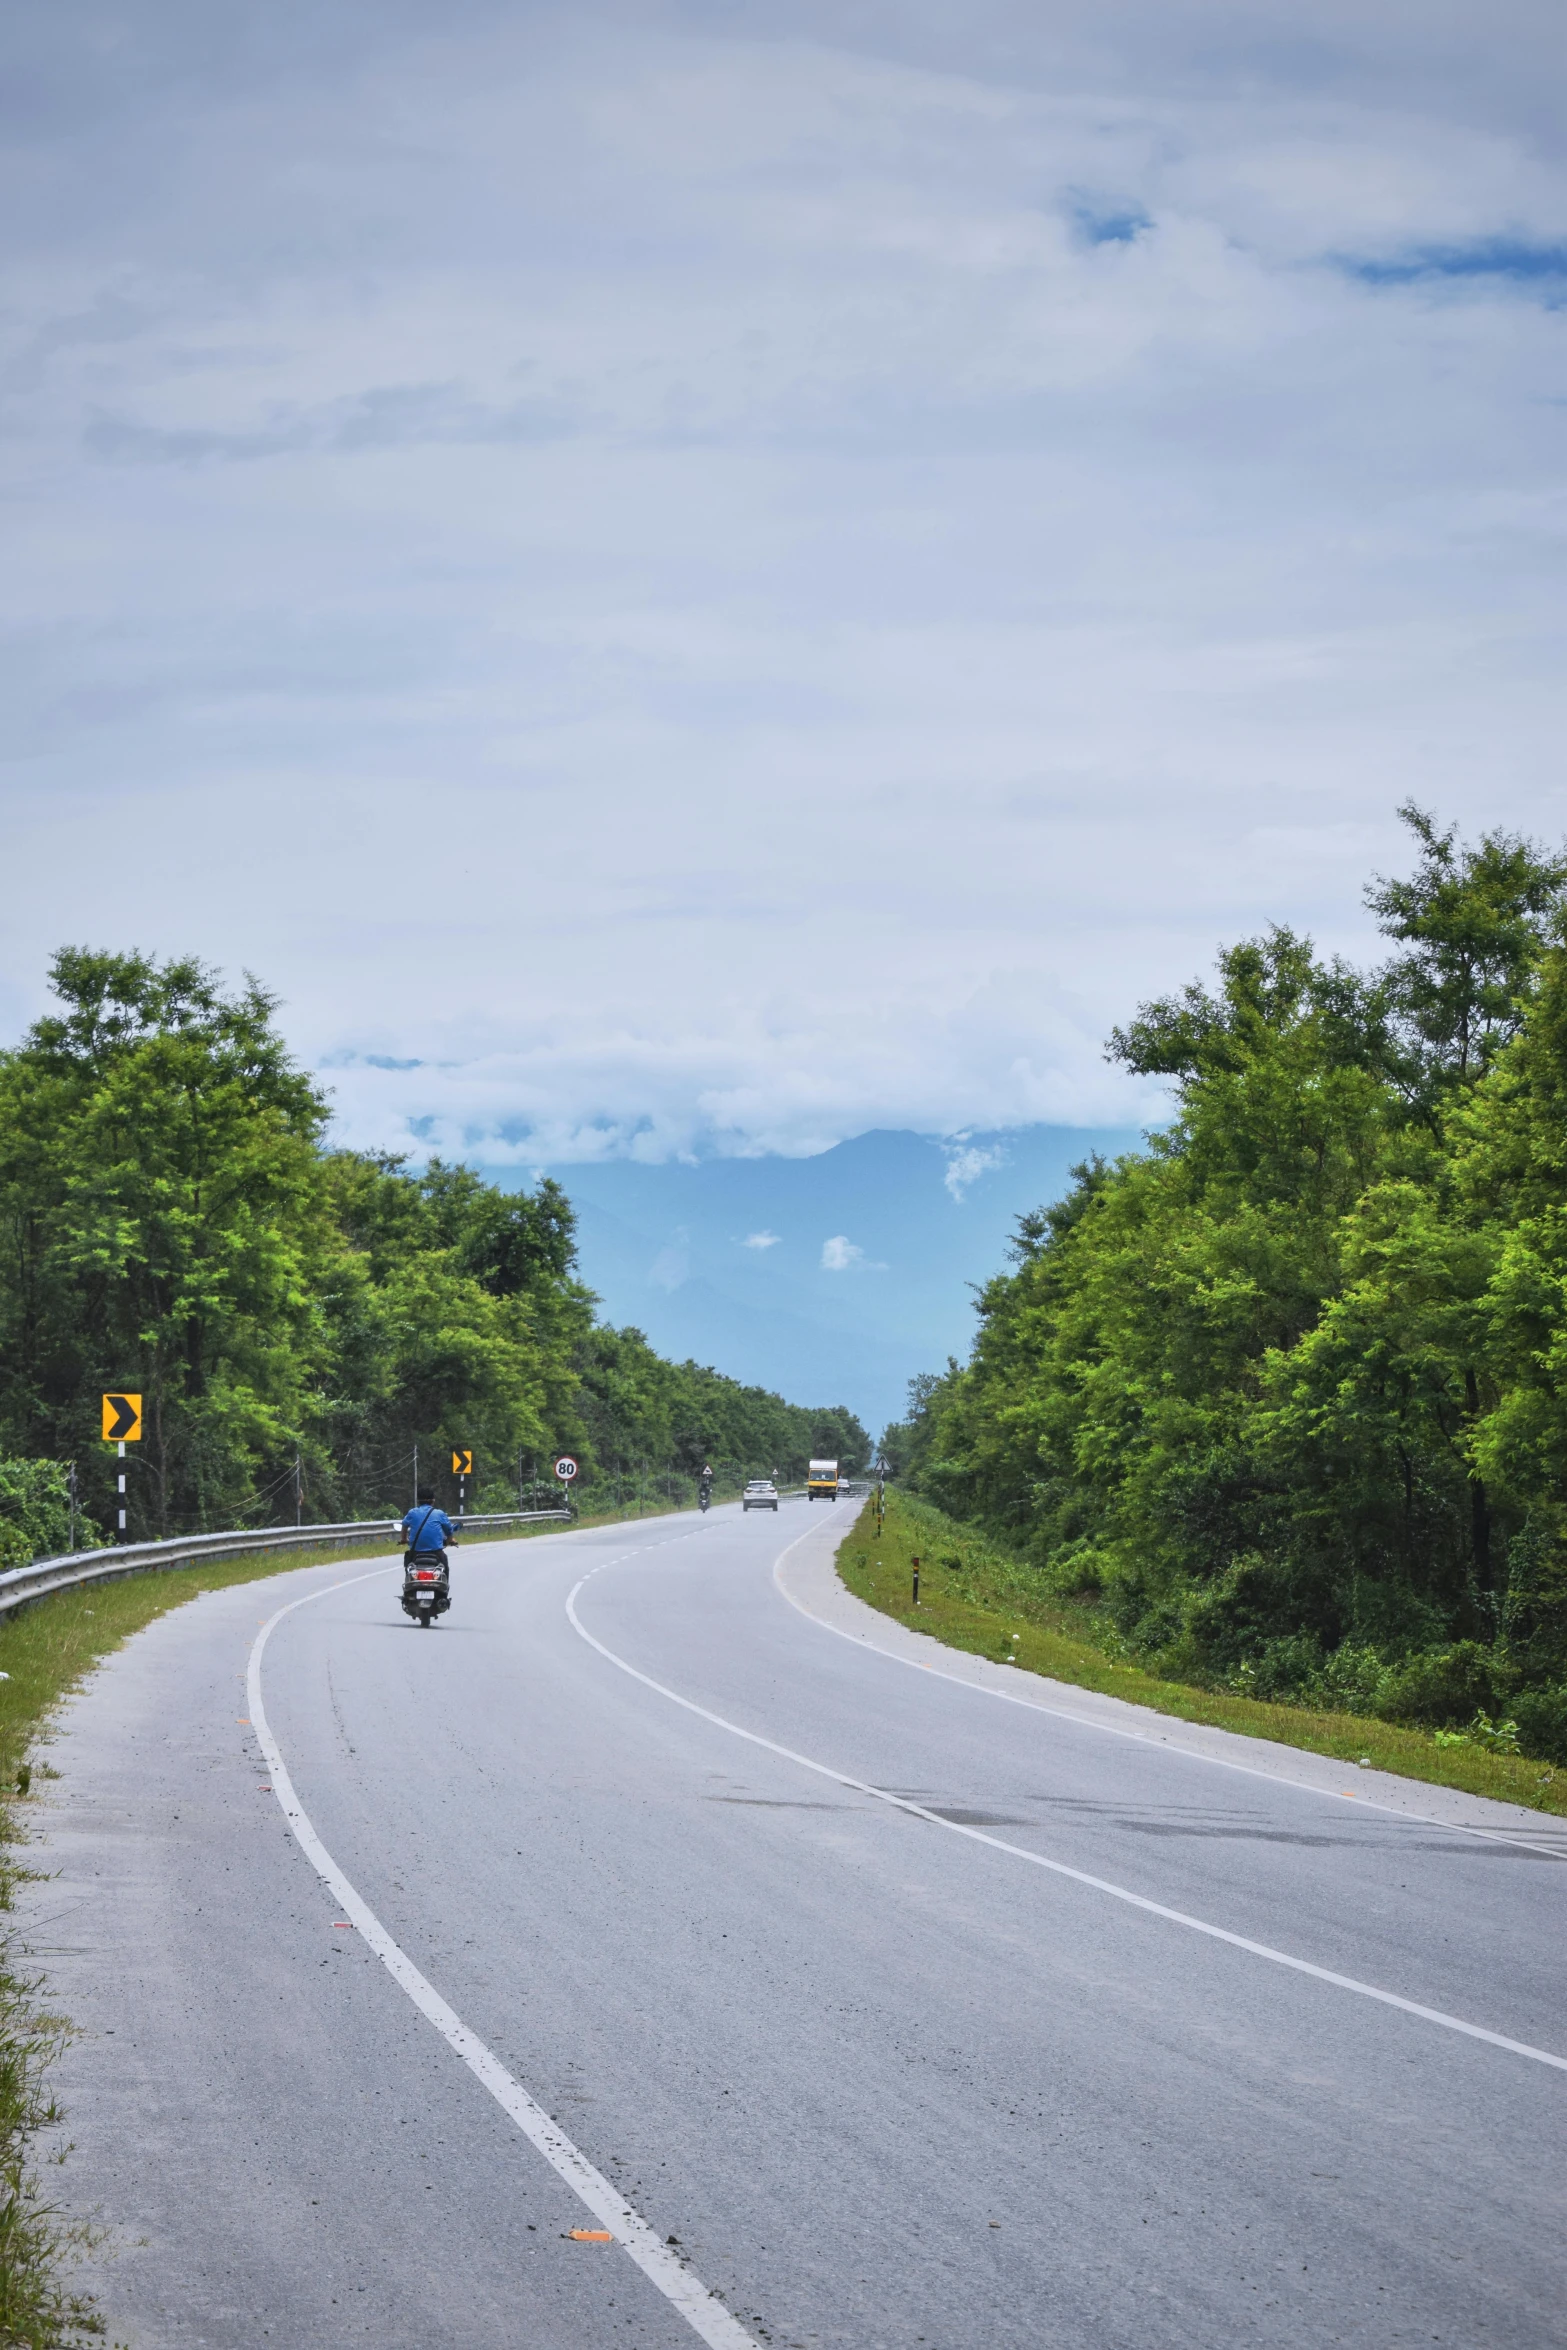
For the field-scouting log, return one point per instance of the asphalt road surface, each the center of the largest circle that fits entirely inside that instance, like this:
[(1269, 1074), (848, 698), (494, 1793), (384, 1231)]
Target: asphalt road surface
[(769, 1987)]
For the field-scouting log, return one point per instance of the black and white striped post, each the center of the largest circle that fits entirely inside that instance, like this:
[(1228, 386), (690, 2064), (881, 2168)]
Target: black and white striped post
[(122, 1425)]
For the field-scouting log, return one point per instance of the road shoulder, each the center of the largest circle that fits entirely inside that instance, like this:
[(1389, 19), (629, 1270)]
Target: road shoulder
[(807, 1576)]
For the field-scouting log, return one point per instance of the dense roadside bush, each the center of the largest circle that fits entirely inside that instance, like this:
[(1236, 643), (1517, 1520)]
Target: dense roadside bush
[(1283, 1396), (35, 1512), (302, 1322)]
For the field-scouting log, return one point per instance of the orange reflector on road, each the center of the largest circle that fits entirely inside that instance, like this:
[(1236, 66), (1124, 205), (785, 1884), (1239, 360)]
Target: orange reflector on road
[(591, 2236)]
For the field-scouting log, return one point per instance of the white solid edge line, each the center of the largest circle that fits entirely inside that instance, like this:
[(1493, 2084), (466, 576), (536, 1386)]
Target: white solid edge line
[(702, 2311), (1221, 1762), (1060, 1868)]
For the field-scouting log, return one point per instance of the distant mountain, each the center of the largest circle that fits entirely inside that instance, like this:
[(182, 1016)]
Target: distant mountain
[(833, 1279)]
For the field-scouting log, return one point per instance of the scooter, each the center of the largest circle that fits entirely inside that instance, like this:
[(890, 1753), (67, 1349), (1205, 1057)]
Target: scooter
[(427, 1586), (703, 1497)]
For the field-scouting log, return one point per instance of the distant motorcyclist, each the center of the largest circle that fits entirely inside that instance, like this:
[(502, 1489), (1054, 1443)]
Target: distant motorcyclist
[(427, 1530), (704, 1486)]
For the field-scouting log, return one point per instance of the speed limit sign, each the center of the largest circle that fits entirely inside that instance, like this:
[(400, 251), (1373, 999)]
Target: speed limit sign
[(565, 1468)]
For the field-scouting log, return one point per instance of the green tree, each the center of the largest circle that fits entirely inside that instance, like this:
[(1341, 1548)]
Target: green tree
[(1472, 922), (35, 1513), (1289, 1386), (173, 1222), (158, 1184), (836, 1435)]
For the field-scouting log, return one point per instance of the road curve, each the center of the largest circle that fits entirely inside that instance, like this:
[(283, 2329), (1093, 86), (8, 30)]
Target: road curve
[(856, 2008)]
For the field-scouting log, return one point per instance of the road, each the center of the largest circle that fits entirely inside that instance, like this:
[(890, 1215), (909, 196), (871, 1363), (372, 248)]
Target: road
[(751, 1916)]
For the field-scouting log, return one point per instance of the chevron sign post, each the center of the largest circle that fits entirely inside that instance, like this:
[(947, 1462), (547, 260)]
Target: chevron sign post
[(122, 1426)]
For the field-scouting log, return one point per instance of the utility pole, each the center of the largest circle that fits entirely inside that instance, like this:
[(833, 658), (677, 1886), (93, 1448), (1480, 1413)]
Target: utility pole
[(299, 1490), (73, 1504)]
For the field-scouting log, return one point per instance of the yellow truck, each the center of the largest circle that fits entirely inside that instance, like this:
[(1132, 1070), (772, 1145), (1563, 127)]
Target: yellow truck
[(821, 1480)]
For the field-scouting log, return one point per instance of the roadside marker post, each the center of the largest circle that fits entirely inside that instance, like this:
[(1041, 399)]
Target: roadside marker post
[(121, 1426), (916, 1582), (462, 1470)]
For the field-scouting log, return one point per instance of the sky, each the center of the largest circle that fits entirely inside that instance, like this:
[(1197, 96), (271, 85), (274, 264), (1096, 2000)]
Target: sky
[(833, 1278), (695, 579)]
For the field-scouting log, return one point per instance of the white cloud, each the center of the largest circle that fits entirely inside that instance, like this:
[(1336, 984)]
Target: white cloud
[(584, 1084), (761, 1240), (842, 1255), (967, 1161), (828, 570)]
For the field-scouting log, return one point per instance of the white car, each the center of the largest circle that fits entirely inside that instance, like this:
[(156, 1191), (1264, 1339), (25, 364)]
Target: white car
[(760, 1494)]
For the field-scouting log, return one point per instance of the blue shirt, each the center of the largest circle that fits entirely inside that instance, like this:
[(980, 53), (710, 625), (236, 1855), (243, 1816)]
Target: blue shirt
[(427, 1528)]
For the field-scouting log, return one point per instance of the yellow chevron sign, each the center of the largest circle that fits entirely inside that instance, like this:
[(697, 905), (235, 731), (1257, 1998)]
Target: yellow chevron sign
[(122, 1419)]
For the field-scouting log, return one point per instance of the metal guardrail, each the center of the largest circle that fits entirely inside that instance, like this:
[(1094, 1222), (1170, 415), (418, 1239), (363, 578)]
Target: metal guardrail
[(20, 1585)]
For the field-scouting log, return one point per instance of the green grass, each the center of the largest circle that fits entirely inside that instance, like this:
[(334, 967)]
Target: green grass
[(38, 2247), (991, 1605)]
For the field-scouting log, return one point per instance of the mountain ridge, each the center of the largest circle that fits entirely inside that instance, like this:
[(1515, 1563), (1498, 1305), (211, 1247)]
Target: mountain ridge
[(834, 1278)]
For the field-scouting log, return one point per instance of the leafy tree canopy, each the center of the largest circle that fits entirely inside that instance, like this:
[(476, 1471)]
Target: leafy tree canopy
[(1285, 1393), (301, 1321)]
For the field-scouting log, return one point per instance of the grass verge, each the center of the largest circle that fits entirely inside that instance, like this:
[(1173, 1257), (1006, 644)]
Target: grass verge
[(973, 1597), (46, 1651)]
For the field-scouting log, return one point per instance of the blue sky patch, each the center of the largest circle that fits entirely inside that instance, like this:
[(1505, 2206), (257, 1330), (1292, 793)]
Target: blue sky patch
[(1109, 224), (1512, 258)]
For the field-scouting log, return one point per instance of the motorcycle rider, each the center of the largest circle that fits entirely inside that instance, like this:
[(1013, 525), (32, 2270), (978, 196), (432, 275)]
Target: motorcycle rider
[(704, 1485), (426, 1532)]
